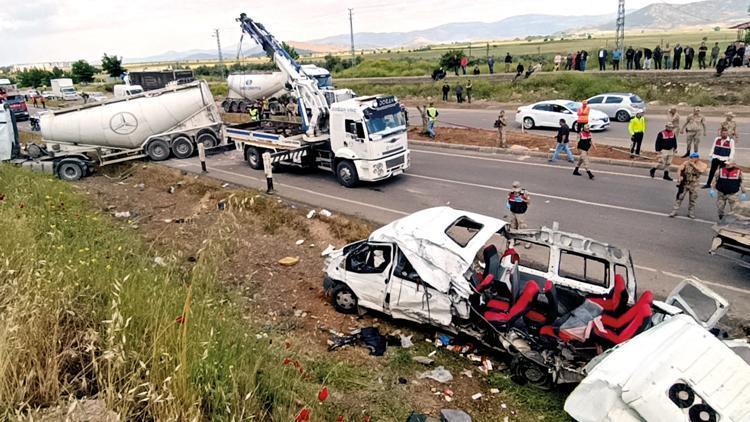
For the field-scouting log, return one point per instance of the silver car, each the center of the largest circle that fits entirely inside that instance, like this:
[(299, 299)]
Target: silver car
[(618, 106)]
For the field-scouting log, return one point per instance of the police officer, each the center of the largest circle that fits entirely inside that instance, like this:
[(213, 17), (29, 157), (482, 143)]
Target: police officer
[(500, 124), (694, 125), (432, 115), (723, 151), (730, 125), (585, 143), (729, 185), (518, 204), (689, 173), (666, 147), (637, 128)]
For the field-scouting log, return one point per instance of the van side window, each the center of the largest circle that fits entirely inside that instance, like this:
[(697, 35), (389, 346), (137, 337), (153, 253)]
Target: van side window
[(584, 268), (404, 269), (369, 259), (355, 128), (463, 230), (534, 256)]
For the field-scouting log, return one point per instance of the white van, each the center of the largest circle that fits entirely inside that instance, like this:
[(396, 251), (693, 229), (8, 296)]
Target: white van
[(127, 90)]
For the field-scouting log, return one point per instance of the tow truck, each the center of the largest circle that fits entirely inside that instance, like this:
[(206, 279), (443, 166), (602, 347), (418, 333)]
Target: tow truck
[(358, 139)]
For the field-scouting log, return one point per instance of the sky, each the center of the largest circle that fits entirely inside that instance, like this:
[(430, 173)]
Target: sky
[(33, 31)]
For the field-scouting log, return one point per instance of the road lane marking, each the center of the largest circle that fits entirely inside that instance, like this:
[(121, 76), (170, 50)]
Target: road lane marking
[(641, 267), (500, 160), (561, 198)]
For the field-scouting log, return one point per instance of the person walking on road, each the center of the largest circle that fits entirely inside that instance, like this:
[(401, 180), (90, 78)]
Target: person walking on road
[(730, 189), (637, 128), (563, 138), (689, 174), (666, 147), (518, 204), (694, 125), (446, 91), (715, 50), (491, 64), (500, 124), (730, 125), (673, 117), (432, 115), (459, 93), (469, 87), (723, 152), (585, 143), (702, 51), (583, 116), (508, 61)]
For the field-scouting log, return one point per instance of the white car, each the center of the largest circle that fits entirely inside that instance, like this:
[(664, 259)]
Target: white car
[(97, 97), (619, 106), (549, 113)]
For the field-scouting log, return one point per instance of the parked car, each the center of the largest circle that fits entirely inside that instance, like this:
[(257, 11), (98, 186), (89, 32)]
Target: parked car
[(18, 105), (549, 113), (619, 106), (97, 97)]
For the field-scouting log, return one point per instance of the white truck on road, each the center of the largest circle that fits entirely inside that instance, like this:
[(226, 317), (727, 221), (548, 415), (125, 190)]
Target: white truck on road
[(358, 139), (156, 124), (63, 88)]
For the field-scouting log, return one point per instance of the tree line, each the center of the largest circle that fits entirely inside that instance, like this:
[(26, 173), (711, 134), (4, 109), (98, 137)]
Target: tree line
[(80, 71)]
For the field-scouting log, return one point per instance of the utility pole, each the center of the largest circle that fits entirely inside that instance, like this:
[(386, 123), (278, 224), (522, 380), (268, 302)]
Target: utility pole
[(221, 58), (351, 33), (620, 31)]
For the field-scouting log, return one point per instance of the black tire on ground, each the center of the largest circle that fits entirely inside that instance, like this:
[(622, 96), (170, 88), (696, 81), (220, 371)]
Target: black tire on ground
[(208, 139), (70, 169), (346, 173), (158, 150), (528, 123), (254, 158), (622, 116), (343, 299), (527, 371), (182, 147)]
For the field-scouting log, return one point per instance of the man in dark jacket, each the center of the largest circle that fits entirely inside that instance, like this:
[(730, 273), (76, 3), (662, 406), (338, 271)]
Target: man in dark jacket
[(666, 147), (648, 56), (519, 71), (629, 55), (702, 51), (446, 91), (657, 57), (677, 56), (459, 93), (602, 55), (715, 55), (729, 53), (584, 60), (689, 54), (637, 59), (739, 58), (508, 61)]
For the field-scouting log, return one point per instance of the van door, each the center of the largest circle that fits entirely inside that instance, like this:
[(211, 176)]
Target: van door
[(695, 299), (412, 299), (355, 138), (368, 271)]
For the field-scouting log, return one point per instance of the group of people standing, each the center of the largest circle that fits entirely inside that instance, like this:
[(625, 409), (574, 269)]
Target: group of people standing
[(459, 91)]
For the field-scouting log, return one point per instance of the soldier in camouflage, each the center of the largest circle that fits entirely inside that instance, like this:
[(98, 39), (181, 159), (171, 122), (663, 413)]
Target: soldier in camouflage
[(730, 125), (695, 124), (689, 176)]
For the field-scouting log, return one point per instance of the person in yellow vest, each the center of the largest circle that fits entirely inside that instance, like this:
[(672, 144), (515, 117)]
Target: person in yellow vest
[(254, 115), (637, 129), (583, 116), (730, 190), (432, 115)]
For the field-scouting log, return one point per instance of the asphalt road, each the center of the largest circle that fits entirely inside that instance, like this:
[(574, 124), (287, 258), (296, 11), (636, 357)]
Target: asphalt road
[(617, 134), (621, 206)]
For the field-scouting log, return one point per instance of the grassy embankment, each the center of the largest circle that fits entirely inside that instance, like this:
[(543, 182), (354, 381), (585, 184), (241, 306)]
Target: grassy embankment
[(85, 311)]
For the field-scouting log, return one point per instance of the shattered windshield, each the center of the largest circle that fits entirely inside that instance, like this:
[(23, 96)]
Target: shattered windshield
[(385, 121)]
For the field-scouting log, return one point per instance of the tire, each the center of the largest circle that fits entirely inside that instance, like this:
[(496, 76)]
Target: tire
[(528, 123), (343, 299), (681, 395), (622, 116), (226, 105), (158, 150), (525, 371), (208, 139), (702, 413), (34, 150), (70, 170), (346, 173), (242, 107), (254, 158), (182, 147)]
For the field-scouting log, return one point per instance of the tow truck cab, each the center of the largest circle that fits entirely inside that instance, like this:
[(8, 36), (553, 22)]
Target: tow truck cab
[(371, 133)]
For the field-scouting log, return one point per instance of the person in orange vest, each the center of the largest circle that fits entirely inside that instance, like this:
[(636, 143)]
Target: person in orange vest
[(729, 187), (583, 116)]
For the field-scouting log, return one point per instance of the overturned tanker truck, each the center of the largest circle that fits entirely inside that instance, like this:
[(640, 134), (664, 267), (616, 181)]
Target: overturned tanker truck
[(155, 124), (553, 305)]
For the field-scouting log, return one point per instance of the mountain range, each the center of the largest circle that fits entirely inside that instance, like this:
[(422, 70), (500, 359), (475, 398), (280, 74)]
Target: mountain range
[(657, 16)]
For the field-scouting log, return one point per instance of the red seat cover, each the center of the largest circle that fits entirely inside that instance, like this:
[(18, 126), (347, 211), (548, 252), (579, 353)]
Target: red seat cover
[(612, 301), (498, 305), (518, 309), (486, 282), (629, 323)]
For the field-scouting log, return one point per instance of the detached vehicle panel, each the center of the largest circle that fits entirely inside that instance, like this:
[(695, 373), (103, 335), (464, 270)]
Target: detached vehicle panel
[(732, 240)]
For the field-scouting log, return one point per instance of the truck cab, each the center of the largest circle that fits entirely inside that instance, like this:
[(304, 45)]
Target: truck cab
[(368, 138)]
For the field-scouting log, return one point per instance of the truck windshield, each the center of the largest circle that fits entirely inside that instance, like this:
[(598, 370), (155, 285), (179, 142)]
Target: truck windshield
[(68, 90), (324, 81), (384, 121)]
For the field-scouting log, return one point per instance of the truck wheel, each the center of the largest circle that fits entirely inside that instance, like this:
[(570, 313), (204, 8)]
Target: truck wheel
[(524, 370), (254, 157), (226, 106), (70, 170), (208, 139), (233, 107), (182, 147), (344, 299), (158, 150), (242, 107), (34, 150), (346, 172)]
